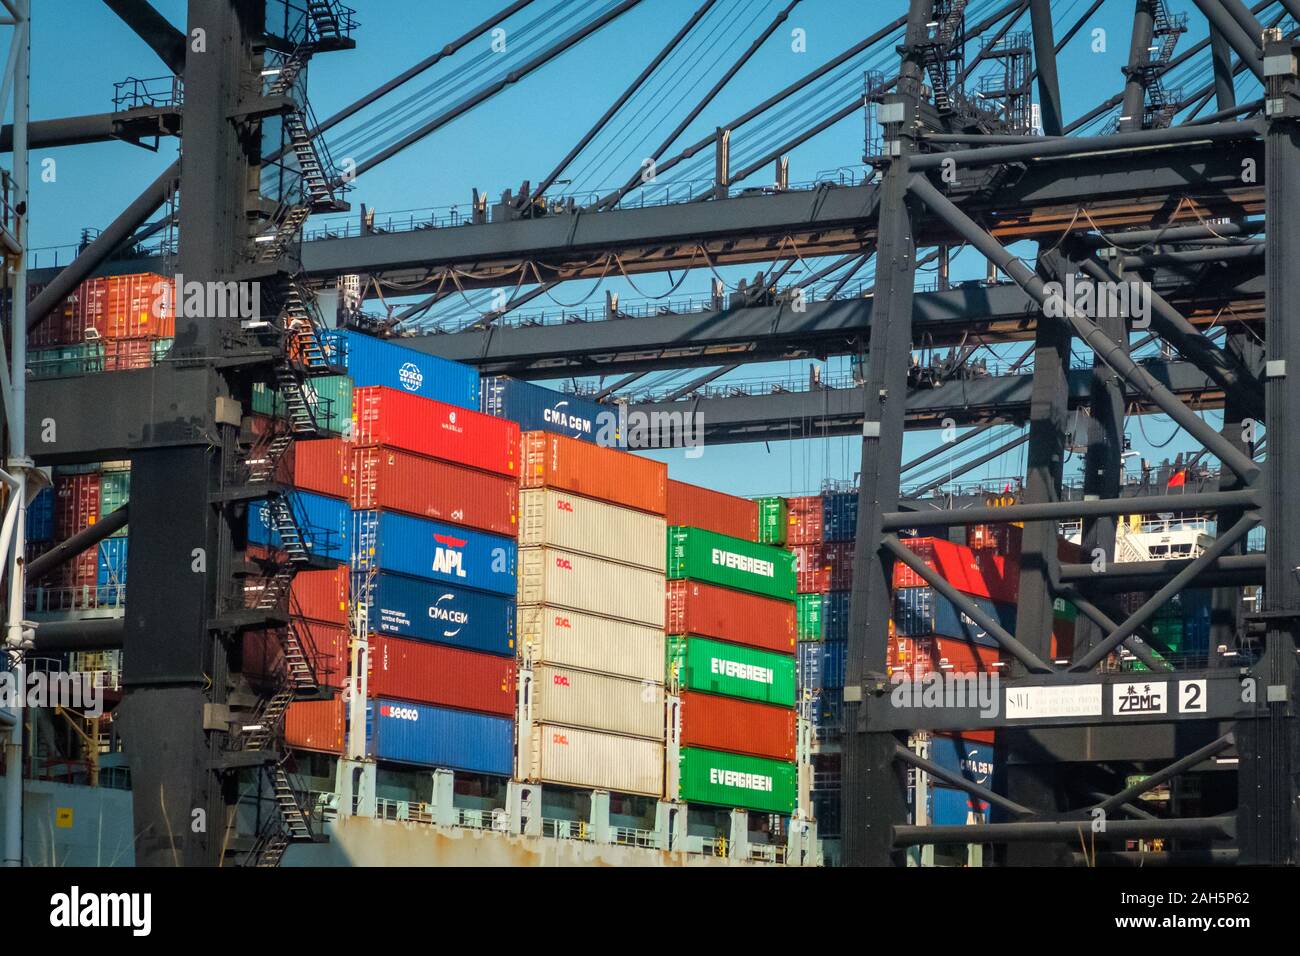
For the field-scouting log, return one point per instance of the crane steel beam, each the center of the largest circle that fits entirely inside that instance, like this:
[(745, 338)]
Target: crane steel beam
[(154, 29)]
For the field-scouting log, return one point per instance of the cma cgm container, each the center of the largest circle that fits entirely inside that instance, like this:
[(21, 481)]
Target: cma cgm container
[(750, 619), (439, 737), (552, 635), (736, 726), (317, 725), (923, 612), (370, 361), (621, 478), (736, 780), (388, 541), (730, 562), (773, 520), (445, 676), (394, 480), (733, 670), (971, 758), (954, 808), (324, 523), (382, 416), (581, 583), (558, 519), (541, 409), (427, 611), (712, 510), (572, 757), (616, 705)]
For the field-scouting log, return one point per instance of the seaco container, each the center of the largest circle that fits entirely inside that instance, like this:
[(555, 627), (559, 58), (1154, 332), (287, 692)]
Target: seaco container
[(370, 361), (573, 757), (324, 523), (736, 726), (439, 737), (581, 583), (736, 780), (542, 409), (395, 480), (388, 541), (558, 519), (750, 619), (730, 562), (619, 477), (616, 705), (773, 520), (316, 725), (713, 667), (698, 507), (553, 635), (427, 611), (382, 416), (445, 676), (923, 612)]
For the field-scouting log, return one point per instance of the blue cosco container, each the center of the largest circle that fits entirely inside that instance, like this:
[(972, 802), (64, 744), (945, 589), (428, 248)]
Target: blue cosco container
[(952, 808), (40, 516), (840, 516), (425, 611), (372, 361), (325, 524), (540, 409), (970, 758), (112, 562), (821, 665), (439, 737), (923, 612), (387, 541), (835, 616)]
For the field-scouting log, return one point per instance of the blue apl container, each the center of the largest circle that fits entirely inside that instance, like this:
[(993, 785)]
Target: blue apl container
[(439, 737), (952, 808), (112, 562), (821, 665), (371, 361), (840, 516), (835, 616), (923, 612), (540, 409), (418, 548), (424, 611), (325, 524), (40, 516), (970, 758)]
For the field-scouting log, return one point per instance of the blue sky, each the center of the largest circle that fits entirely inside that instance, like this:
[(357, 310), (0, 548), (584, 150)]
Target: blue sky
[(80, 49)]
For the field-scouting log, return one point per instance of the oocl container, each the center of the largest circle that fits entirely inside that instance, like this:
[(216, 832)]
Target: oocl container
[(428, 611), (371, 361), (316, 725), (391, 479), (324, 524), (574, 698), (697, 507), (730, 562), (558, 519), (737, 616), (541, 409), (736, 780), (581, 583), (382, 416), (444, 676), (773, 520), (573, 757), (701, 664), (553, 461), (428, 736), (553, 635), (737, 726), (388, 541)]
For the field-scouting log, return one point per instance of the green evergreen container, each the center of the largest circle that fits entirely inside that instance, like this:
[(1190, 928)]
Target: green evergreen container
[(334, 401), (715, 667), (730, 562), (80, 359), (114, 492), (808, 616), (1064, 610), (773, 520), (736, 780)]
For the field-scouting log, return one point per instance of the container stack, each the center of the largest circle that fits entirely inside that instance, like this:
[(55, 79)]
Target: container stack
[(110, 323), (76, 507), (114, 492), (731, 621), (541, 409), (971, 758), (591, 616)]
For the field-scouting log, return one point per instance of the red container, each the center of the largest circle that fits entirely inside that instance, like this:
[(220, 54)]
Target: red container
[(385, 416), (76, 503), (607, 474), (321, 465), (698, 507), (123, 354), (916, 657), (316, 725), (737, 726), (127, 307), (824, 567), (326, 646), (954, 562), (727, 615), (315, 595), (443, 676), (805, 517), (400, 481), (1002, 538)]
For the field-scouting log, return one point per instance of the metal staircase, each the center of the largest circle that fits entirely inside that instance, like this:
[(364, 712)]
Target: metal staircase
[(944, 52)]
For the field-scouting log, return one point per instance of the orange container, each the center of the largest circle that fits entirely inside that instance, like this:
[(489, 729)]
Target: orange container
[(619, 477), (325, 644), (737, 726), (123, 354), (396, 480), (136, 306), (711, 510), (315, 725), (314, 595)]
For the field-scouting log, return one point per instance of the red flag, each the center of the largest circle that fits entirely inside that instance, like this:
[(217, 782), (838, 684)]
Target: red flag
[(1178, 479)]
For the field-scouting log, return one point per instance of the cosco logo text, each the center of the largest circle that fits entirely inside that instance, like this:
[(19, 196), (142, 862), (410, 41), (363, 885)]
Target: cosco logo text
[(410, 376)]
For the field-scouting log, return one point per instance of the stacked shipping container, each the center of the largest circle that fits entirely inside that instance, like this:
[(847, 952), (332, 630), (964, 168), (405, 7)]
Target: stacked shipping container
[(110, 323)]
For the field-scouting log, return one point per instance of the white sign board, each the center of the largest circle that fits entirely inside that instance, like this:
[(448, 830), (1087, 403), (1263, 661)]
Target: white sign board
[(1139, 698), (1068, 700)]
